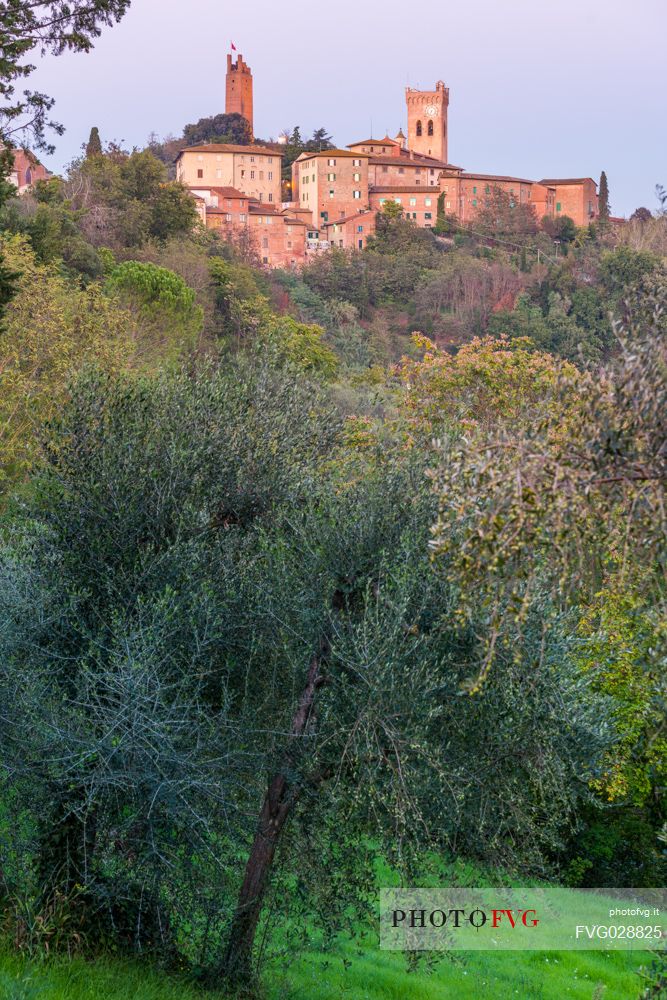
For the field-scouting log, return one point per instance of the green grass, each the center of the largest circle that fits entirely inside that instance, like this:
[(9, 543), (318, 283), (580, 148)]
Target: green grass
[(379, 975), (60, 979), (357, 972)]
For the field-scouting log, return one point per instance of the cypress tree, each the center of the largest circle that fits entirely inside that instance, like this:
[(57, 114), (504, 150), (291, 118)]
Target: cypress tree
[(94, 145), (603, 199)]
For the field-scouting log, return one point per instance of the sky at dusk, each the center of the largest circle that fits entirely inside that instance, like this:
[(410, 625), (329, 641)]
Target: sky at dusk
[(559, 89)]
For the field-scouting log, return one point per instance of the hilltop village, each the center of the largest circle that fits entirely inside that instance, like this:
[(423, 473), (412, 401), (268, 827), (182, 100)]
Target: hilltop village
[(336, 193)]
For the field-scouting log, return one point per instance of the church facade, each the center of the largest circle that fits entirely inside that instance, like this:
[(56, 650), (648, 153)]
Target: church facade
[(336, 193)]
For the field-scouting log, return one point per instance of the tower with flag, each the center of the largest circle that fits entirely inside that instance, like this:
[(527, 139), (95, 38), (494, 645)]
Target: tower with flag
[(238, 90)]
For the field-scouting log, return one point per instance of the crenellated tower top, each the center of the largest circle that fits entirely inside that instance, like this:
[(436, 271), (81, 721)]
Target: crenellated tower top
[(427, 120), (238, 91)]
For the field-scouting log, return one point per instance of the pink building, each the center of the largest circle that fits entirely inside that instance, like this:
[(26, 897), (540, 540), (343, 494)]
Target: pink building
[(26, 170), (352, 232), (277, 236)]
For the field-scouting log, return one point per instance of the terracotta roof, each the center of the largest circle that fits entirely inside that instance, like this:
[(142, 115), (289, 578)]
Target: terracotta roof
[(329, 152), (417, 164), (433, 161), (567, 180), (227, 147), (290, 221), (230, 192), (497, 177), (373, 142), (226, 192), (349, 218), (262, 207)]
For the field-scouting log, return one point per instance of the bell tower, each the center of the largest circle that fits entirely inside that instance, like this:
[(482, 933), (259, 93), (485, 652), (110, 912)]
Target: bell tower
[(238, 92), (427, 120)]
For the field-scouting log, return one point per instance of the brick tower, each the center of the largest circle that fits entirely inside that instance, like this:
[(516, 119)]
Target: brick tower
[(238, 93), (427, 120)]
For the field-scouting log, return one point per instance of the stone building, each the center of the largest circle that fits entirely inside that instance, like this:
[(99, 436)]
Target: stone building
[(476, 189), (332, 184), (277, 237), (26, 170), (254, 170), (351, 233), (336, 192), (576, 197), (238, 90)]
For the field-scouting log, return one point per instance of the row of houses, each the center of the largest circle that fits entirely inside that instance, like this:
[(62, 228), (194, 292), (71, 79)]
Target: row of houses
[(336, 193)]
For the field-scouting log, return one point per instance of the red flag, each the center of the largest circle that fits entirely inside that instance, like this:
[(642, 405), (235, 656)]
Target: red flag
[(233, 46)]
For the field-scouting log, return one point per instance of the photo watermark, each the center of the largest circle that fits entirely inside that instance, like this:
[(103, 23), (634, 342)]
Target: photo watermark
[(523, 919)]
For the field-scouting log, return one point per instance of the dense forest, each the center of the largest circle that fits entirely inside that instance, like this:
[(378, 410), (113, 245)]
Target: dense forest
[(307, 573)]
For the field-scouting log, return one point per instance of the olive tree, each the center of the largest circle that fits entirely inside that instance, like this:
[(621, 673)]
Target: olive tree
[(228, 667)]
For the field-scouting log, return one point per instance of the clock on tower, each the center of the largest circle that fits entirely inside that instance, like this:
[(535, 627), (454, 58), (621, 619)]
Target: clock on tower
[(427, 121)]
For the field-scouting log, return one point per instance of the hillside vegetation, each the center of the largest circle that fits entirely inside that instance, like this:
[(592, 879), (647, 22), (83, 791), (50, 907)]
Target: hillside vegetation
[(304, 573)]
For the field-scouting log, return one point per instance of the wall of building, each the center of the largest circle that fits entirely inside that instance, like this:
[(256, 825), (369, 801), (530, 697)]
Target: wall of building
[(253, 170), (475, 191), (386, 170), (576, 198), (332, 184), (543, 200), (279, 239), (351, 233), (26, 170), (419, 205)]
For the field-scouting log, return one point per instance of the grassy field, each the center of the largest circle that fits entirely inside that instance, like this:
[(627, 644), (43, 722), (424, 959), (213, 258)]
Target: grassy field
[(352, 972)]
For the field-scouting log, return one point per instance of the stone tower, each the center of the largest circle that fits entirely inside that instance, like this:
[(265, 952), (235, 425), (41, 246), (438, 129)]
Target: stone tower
[(427, 120), (238, 93)]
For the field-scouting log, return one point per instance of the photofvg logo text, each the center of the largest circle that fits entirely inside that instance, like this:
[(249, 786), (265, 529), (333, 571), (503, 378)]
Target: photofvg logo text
[(529, 918), (477, 918)]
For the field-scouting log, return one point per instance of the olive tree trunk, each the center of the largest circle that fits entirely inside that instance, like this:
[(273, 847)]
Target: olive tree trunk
[(279, 801)]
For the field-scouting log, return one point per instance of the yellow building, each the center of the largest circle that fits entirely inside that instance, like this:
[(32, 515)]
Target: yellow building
[(253, 170)]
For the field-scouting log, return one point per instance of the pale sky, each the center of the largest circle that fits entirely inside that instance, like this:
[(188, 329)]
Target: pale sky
[(560, 89)]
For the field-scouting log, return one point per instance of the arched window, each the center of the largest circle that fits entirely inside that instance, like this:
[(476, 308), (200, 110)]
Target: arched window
[(430, 128), (28, 176), (419, 128)]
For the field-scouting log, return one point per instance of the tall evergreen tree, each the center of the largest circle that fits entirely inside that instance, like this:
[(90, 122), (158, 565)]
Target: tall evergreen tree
[(50, 26), (603, 199), (94, 145)]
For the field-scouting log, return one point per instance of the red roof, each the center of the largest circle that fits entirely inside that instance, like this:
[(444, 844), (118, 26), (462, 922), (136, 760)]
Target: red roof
[(374, 142), (567, 180), (498, 177), (349, 218), (225, 192), (229, 192), (328, 152), (262, 207), (228, 147)]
